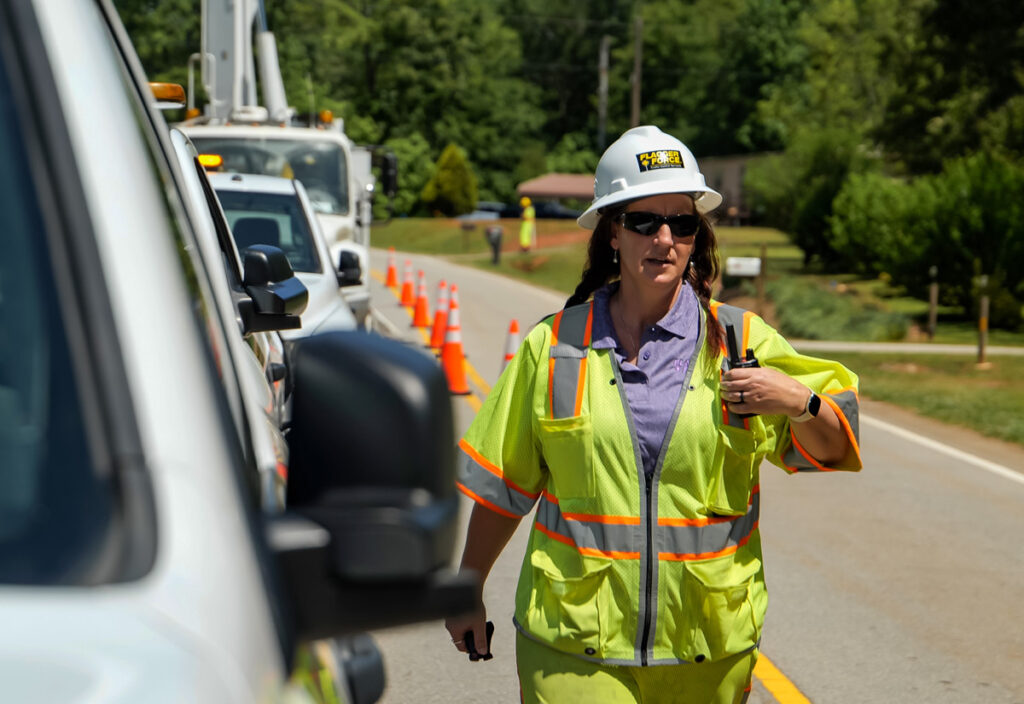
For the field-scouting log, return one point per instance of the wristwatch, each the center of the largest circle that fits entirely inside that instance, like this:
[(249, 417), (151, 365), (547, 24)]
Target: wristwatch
[(810, 410)]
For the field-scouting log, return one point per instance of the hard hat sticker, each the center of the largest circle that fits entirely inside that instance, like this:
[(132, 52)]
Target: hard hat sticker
[(660, 159)]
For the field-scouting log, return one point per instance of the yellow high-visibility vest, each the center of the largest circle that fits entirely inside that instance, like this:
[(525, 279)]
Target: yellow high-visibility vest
[(620, 568)]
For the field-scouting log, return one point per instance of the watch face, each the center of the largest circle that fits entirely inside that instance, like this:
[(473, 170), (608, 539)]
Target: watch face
[(814, 404)]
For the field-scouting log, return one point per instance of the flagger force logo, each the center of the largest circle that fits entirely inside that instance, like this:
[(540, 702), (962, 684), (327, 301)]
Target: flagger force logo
[(660, 159)]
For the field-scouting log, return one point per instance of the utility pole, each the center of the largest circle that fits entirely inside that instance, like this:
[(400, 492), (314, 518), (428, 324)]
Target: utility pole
[(637, 77), (602, 91), (983, 363), (933, 301)]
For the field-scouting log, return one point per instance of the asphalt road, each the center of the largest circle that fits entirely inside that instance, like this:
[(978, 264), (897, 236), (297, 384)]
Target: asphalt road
[(902, 583)]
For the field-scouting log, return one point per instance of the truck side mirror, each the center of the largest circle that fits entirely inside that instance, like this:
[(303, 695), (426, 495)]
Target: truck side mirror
[(350, 271), (276, 296), (389, 174), (373, 507)]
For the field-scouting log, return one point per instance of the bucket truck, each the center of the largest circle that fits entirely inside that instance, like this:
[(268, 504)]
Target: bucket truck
[(235, 132)]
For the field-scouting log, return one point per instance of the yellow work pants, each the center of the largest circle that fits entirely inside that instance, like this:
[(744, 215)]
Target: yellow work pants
[(549, 676)]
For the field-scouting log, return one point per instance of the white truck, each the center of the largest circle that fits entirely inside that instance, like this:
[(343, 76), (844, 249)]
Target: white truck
[(267, 139), (138, 560)]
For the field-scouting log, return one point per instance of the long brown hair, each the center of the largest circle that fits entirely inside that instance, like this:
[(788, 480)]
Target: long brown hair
[(704, 268)]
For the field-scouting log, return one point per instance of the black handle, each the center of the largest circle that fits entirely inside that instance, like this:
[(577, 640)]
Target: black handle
[(471, 644)]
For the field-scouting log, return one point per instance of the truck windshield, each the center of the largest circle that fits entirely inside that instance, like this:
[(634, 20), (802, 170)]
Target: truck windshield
[(274, 219), (320, 165)]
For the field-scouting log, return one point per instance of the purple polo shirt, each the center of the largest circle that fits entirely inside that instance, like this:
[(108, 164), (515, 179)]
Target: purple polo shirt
[(654, 383)]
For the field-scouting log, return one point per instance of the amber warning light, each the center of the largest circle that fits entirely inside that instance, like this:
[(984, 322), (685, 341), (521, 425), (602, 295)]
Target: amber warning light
[(211, 161)]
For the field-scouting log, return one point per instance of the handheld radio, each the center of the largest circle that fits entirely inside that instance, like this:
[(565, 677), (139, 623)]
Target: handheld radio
[(737, 362)]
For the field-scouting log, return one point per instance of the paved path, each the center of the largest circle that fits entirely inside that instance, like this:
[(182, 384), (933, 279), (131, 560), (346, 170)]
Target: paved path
[(901, 348)]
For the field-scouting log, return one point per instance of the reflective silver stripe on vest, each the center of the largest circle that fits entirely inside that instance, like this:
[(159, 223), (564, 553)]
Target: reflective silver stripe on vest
[(566, 356), (705, 541), (492, 488), (850, 408), (673, 542), (731, 315), (620, 539)]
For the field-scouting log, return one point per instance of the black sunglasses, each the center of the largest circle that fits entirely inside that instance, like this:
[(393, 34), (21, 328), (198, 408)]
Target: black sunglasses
[(642, 223)]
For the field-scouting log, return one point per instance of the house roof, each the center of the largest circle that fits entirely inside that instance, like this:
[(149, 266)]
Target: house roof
[(578, 186)]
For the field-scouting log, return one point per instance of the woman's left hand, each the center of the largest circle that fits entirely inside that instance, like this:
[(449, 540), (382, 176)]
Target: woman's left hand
[(763, 391)]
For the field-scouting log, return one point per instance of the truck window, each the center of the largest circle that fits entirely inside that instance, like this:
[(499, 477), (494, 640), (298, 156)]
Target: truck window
[(320, 165), (269, 218), (55, 507)]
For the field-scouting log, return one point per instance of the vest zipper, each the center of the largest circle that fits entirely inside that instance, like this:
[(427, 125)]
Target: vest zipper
[(648, 482)]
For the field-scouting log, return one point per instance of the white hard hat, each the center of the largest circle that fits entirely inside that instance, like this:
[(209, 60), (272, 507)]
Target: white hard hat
[(643, 162)]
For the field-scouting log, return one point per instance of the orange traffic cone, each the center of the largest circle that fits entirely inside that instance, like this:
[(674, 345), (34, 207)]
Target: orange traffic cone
[(440, 317), (406, 299), (452, 360), (421, 315), (391, 281), (511, 343)]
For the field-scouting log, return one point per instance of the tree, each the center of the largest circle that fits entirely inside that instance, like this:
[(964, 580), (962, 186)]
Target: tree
[(415, 169), (165, 33), (452, 188), (445, 69)]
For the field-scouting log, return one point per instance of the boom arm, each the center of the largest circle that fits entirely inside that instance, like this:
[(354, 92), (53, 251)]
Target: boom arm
[(229, 73)]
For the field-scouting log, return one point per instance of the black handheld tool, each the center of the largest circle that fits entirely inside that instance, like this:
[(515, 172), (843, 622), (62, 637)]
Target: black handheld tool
[(737, 362), (471, 644)]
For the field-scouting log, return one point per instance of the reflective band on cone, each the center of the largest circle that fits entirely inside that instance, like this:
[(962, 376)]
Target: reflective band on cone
[(440, 317), (511, 343), (421, 315), (392, 277), (452, 360), (406, 299)]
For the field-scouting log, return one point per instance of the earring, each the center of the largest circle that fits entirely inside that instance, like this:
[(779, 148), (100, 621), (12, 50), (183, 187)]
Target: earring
[(615, 256)]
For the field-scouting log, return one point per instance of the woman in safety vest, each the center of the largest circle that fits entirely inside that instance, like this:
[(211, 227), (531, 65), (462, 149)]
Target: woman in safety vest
[(639, 440)]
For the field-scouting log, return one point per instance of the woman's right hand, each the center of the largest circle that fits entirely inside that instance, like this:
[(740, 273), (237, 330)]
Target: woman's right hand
[(459, 626)]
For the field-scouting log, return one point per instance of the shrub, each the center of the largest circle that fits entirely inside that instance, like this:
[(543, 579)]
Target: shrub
[(806, 310), (966, 220), (452, 189)]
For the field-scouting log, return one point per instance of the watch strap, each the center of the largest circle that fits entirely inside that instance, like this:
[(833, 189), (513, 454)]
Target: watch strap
[(811, 409)]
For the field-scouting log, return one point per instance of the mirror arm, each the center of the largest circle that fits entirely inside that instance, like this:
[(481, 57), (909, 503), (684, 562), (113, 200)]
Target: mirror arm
[(324, 605)]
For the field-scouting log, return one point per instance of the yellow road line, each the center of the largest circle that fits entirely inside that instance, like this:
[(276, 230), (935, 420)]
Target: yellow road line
[(484, 387), (784, 691)]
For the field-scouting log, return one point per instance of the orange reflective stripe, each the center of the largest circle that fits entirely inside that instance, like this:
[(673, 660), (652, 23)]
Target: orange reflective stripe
[(493, 469), (613, 554), (593, 517), (551, 364), (684, 557), (592, 552), (580, 385), (484, 502), (747, 317), (597, 518), (551, 386), (807, 455)]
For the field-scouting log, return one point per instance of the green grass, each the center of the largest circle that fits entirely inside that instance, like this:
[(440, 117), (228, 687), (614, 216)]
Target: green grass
[(948, 388), (447, 236)]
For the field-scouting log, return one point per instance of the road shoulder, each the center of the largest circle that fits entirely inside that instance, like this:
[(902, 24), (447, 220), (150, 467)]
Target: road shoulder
[(999, 451)]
